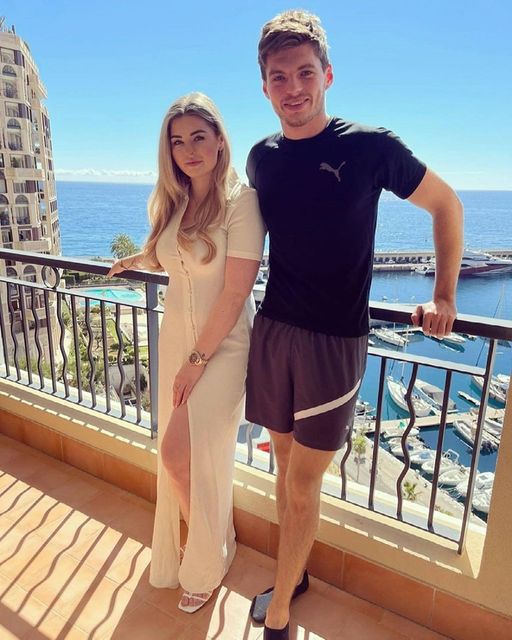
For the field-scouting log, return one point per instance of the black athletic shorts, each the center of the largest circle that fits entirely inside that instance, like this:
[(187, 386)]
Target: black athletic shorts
[(303, 382)]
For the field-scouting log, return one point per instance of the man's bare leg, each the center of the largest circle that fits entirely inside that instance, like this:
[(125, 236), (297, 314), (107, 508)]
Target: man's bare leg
[(304, 475), (282, 445)]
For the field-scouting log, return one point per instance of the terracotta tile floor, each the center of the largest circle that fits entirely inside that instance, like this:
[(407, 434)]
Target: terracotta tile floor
[(74, 564)]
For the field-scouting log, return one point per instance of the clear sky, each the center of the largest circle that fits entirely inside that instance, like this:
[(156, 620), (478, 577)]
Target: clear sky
[(436, 72)]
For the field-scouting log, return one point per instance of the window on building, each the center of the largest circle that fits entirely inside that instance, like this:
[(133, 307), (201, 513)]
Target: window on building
[(12, 110), (17, 162), (21, 200), (3, 187), (8, 70), (29, 273), (6, 235), (22, 214), (13, 124), (14, 142), (4, 216), (2, 161), (7, 55), (25, 235), (20, 187), (10, 90)]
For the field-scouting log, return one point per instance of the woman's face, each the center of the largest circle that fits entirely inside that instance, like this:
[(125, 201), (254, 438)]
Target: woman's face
[(194, 146)]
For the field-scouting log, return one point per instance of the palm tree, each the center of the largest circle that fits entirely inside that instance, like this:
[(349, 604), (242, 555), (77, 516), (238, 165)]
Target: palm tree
[(122, 245), (359, 443), (409, 491)]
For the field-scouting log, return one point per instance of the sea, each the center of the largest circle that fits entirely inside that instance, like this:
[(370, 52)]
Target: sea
[(91, 214)]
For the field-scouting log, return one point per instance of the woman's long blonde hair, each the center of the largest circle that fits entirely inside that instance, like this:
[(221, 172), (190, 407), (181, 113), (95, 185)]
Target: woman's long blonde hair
[(173, 185)]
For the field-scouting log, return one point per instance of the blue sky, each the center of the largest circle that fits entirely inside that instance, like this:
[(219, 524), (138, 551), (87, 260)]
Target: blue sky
[(437, 73)]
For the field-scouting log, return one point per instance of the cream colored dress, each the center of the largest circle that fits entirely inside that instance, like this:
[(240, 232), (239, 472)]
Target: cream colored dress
[(215, 404)]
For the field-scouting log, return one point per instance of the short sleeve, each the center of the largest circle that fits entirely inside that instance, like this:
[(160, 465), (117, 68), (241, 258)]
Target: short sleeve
[(244, 225), (398, 169)]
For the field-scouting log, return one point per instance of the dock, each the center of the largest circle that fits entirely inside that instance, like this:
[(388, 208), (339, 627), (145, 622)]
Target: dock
[(432, 421)]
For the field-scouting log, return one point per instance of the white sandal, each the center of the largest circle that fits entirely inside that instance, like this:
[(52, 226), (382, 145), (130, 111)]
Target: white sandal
[(202, 599)]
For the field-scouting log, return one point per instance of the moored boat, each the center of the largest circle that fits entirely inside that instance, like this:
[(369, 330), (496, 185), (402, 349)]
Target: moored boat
[(467, 431), (474, 263), (433, 395), (454, 476), (397, 391), (484, 480), (449, 460), (496, 390), (390, 336)]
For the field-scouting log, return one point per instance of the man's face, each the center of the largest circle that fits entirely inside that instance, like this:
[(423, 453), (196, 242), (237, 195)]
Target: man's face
[(296, 84)]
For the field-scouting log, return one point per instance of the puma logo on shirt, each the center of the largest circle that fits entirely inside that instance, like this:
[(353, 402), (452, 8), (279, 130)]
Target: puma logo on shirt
[(325, 166)]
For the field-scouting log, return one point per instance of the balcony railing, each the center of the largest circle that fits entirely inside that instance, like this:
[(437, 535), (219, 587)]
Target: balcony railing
[(85, 348)]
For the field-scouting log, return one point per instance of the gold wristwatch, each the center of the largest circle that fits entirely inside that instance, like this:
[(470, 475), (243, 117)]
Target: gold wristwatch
[(198, 359)]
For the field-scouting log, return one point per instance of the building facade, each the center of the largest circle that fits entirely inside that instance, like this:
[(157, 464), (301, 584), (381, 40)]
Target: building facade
[(28, 199)]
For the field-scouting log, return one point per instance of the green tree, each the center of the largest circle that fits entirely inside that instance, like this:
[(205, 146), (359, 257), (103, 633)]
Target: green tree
[(410, 492), (122, 245), (359, 443)]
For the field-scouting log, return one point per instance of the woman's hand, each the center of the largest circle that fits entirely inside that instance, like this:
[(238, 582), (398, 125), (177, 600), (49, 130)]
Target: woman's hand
[(186, 379), (116, 268)]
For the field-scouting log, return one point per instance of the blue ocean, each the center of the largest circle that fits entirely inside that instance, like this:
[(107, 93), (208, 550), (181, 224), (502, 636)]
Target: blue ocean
[(91, 214)]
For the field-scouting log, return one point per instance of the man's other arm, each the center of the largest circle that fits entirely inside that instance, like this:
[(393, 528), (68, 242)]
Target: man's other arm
[(441, 201)]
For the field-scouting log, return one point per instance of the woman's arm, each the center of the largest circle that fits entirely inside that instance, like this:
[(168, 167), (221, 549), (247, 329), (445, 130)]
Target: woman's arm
[(240, 274), (134, 262)]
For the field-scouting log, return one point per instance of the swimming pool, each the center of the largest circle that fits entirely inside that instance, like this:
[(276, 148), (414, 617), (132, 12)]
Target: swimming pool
[(109, 293)]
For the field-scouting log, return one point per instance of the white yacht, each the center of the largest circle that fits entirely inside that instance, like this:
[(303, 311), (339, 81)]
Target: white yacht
[(482, 500), (398, 432), (413, 446), (390, 336), (496, 389), (473, 263), (449, 460), (467, 431), (433, 395), (397, 391), (484, 480), (454, 476)]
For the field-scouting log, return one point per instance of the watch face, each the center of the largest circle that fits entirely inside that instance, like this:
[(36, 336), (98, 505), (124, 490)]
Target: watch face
[(194, 357)]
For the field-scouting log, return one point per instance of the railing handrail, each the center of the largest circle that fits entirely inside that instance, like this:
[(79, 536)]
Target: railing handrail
[(484, 326), (91, 266)]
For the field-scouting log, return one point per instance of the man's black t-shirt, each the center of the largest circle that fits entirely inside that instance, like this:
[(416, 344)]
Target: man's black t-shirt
[(318, 197)]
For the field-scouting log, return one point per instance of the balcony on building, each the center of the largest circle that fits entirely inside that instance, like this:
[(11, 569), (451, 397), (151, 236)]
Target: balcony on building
[(78, 460)]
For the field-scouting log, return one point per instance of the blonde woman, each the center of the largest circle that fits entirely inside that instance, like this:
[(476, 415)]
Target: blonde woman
[(208, 235)]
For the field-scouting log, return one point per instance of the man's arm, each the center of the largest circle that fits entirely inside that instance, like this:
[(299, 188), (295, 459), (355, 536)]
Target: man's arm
[(441, 201)]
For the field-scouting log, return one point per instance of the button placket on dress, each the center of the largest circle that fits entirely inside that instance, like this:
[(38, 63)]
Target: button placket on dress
[(190, 293)]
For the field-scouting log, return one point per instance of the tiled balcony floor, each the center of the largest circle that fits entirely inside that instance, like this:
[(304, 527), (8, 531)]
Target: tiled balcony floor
[(74, 554)]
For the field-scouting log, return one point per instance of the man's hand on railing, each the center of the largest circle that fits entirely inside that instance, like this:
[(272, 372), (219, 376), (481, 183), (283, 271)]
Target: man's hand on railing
[(435, 317)]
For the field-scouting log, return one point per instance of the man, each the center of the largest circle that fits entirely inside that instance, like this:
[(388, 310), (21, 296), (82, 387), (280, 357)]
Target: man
[(318, 184)]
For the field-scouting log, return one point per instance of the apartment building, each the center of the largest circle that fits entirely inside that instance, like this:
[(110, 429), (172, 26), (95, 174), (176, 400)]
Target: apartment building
[(28, 199)]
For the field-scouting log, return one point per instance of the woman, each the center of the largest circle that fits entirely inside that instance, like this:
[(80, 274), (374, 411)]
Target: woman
[(208, 235)]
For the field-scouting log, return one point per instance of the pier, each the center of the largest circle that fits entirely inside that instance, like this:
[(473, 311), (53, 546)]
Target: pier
[(409, 260), (432, 421)]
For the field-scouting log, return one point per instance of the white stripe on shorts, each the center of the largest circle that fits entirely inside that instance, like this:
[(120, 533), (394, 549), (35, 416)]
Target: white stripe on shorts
[(327, 406)]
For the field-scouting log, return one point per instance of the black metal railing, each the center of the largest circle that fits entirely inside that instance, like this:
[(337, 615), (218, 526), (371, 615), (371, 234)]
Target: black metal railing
[(73, 343), (79, 345)]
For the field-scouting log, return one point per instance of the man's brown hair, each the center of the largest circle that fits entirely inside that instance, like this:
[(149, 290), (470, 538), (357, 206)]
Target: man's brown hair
[(291, 29)]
